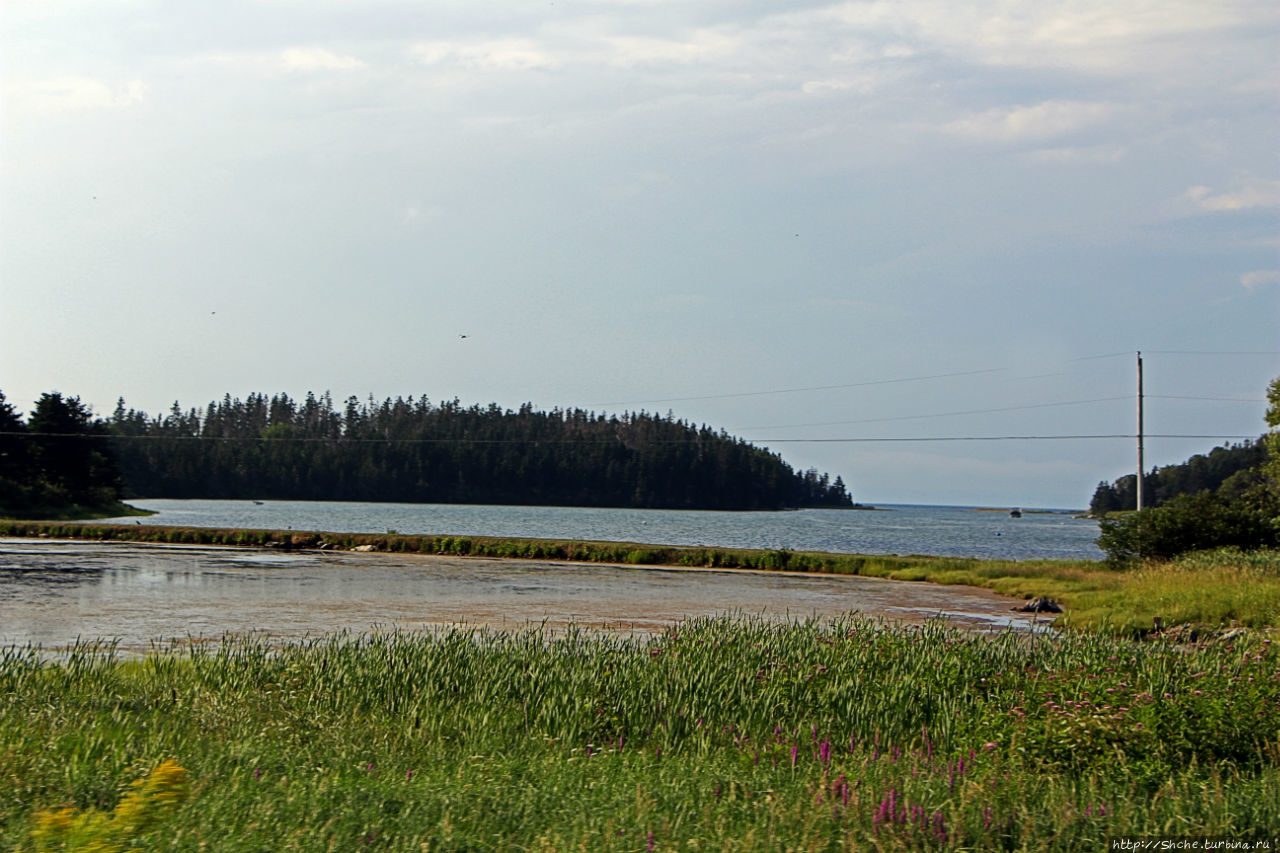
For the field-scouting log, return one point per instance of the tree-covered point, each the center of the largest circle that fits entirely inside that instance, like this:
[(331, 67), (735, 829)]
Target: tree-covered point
[(1234, 468), (416, 451), (56, 463), (1221, 505)]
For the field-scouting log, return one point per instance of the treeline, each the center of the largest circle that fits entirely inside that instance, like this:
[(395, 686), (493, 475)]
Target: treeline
[(56, 463), (1227, 499), (1233, 468), (414, 450)]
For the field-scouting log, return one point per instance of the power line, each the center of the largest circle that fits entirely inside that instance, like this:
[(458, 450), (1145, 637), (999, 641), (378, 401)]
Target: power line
[(941, 414), (1110, 436), (692, 440), (1213, 399), (915, 378), (798, 390), (1178, 352), (997, 410), (1107, 355), (1210, 352)]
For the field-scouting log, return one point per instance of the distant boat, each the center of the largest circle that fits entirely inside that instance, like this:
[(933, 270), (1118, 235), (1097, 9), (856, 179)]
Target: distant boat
[(257, 503), (1015, 513)]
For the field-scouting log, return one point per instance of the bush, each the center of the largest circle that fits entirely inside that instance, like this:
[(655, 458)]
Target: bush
[(1188, 523)]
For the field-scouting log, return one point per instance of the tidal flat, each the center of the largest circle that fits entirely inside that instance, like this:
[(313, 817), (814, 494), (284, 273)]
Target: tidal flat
[(133, 594)]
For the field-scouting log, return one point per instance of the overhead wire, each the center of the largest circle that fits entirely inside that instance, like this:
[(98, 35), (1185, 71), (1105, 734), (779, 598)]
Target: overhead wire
[(869, 383), (942, 414), (800, 390), (691, 440)]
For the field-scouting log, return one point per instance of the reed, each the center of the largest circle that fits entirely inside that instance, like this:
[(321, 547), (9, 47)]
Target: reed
[(732, 734)]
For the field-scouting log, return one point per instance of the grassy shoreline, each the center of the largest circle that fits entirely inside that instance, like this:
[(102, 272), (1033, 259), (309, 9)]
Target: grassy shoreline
[(1211, 591), (732, 734), (78, 512)]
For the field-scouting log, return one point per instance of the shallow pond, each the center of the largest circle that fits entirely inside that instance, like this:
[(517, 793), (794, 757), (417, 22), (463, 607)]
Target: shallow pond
[(52, 592)]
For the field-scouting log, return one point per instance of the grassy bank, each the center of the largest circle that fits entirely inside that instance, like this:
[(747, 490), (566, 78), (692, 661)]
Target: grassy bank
[(719, 735), (77, 512), (1210, 590)]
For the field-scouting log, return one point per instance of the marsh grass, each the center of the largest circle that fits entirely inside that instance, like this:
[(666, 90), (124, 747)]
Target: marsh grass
[(725, 734)]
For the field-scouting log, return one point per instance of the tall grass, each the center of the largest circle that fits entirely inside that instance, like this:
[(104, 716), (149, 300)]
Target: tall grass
[(725, 734)]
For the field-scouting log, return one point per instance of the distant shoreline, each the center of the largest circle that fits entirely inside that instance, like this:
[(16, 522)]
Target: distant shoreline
[(1027, 511)]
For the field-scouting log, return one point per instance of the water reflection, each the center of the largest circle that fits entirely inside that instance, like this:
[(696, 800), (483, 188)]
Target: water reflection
[(52, 593)]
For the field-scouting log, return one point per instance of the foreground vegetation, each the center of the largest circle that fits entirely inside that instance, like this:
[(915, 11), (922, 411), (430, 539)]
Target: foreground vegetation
[(719, 734)]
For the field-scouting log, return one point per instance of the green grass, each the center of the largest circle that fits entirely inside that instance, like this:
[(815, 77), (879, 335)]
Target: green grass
[(717, 735)]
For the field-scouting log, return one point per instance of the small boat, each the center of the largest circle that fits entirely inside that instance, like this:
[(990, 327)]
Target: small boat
[(1015, 513), (257, 503)]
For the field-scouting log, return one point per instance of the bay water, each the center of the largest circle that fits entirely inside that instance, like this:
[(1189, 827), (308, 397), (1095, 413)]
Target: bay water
[(945, 531)]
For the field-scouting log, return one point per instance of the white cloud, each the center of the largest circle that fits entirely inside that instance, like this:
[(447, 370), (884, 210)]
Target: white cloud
[(1258, 278), (317, 59), (1261, 193), (1041, 121), (698, 47), (862, 85), (69, 94), (1090, 154), (511, 54), (1138, 36)]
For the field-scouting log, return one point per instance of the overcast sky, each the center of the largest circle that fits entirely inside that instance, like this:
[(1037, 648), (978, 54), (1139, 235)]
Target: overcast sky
[(793, 220)]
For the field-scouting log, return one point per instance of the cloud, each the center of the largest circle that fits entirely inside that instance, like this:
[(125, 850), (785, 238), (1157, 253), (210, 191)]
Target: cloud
[(862, 85), (1041, 121), (1138, 36), (509, 54), (1262, 193), (701, 46), (1259, 278), (317, 59), (1091, 154), (69, 94)]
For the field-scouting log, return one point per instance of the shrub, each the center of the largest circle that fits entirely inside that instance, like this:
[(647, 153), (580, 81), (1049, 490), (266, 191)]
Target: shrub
[(1187, 523)]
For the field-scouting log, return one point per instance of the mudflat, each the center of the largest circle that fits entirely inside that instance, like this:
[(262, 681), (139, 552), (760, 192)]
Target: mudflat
[(55, 591)]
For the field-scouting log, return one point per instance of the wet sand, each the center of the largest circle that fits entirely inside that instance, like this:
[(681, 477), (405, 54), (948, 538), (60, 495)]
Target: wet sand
[(52, 592)]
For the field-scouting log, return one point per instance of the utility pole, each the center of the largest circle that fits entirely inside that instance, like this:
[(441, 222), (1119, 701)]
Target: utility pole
[(1140, 463)]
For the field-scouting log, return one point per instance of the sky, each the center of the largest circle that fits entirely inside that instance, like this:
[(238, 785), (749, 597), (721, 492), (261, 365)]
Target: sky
[(873, 236)]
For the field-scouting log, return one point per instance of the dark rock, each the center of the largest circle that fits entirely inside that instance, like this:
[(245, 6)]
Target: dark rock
[(1040, 605)]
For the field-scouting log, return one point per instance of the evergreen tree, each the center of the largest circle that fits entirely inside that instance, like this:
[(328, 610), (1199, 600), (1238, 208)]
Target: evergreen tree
[(413, 450), (60, 458)]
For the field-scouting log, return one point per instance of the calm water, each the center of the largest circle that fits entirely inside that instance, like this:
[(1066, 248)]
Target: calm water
[(929, 530), (53, 592)]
